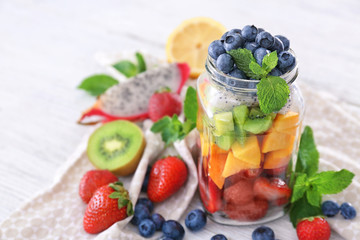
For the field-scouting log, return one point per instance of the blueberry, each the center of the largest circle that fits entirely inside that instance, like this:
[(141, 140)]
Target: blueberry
[(285, 41), (347, 211), (249, 32), (265, 39), (238, 73), (158, 220), (141, 212), (286, 59), (195, 220), (275, 72), (146, 228), (330, 208), (260, 30), (278, 46), (235, 30), (173, 229), (222, 39), (215, 49), (167, 238), (218, 237), (233, 41), (259, 54), (263, 233), (225, 63), (252, 46), (147, 203), (146, 180)]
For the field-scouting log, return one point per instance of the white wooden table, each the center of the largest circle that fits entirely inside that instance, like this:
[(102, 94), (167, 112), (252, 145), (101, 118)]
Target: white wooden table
[(47, 48)]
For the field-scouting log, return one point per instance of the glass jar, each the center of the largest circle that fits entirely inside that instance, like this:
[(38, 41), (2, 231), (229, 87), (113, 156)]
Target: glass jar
[(247, 157)]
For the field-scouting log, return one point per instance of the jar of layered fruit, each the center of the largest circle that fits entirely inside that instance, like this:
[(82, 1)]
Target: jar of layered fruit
[(247, 154)]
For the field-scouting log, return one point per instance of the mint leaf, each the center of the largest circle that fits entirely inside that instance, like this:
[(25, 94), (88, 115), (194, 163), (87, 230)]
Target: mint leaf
[(97, 84), (332, 182), (313, 196), (308, 156), (141, 65), (270, 61), (190, 104), (273, 93), (243, 57), (299, 188), (188, 126), (302, 209), (257, 69), (161, 124), (127, 68)]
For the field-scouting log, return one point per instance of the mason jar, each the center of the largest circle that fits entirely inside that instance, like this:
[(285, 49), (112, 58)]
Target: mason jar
[(247, 157)]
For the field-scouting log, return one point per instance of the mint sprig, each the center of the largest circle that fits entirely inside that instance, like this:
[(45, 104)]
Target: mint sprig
[(310, 186), (172, 129), (273, 92), (97, 84)]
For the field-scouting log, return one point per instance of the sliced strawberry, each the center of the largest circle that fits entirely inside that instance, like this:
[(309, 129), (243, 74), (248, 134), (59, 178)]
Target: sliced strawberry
[(280, 201), (248, 174), (271, 190), (276, 172), (252, 211), (240, 193), (211, 196), (252, 173)]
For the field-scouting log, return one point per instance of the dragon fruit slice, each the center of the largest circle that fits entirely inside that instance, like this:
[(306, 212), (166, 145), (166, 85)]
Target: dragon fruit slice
[(129, 100)]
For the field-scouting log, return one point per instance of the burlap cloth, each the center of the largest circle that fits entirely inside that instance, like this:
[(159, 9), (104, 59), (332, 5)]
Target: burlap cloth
[(57, 213)]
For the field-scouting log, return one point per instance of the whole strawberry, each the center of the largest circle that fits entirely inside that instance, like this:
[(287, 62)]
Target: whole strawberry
[(92, 180), (166, 177), (164, 103), (313, 228), (109, 204)]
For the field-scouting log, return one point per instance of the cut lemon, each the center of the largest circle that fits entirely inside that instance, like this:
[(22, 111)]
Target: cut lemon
[(189, 42)]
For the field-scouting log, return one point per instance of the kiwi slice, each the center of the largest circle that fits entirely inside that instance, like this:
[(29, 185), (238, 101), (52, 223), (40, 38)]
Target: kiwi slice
[(116, 146), (258, 126), (240, 114), (223, 123), (225, 141)]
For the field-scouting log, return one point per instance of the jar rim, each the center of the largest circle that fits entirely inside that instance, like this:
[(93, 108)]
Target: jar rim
[(232, 82)]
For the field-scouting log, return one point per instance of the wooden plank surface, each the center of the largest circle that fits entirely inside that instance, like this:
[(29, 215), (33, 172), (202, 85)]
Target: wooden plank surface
[(47, 48)]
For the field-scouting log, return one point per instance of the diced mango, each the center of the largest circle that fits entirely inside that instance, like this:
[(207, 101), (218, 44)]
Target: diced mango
[(286, 123), (276, 141), (234, 165), (278, 158), (249, 152), (216, 165)]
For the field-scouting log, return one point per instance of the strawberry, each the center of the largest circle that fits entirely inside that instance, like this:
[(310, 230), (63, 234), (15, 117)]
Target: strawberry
[(92, 180), (109, 204), (277, 172), (251, 211), (272, 189), (164, 103), (313, 228), (212, 200), (167, 176), (240, 193)]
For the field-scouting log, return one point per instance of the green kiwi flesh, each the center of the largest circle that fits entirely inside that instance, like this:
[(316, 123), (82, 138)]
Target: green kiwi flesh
[(116, 146)]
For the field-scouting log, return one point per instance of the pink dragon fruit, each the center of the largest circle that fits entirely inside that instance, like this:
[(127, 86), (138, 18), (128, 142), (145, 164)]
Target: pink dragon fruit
[(129, 100)]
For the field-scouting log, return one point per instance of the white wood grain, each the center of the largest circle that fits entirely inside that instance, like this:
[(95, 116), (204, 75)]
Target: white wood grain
[(47, 47)]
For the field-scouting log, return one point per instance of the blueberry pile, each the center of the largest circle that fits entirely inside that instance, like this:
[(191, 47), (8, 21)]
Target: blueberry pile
[(331, 208), (259, 42)]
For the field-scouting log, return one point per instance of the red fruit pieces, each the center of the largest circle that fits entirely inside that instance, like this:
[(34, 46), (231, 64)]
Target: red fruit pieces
[(166, 177), (313, 228), (240, 193), (92, 180), (104, 210), (164, 104), (272, 189), (252, 211), (214, 200)]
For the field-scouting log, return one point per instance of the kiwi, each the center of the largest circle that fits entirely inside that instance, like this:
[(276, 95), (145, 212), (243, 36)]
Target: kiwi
[(256, 113), (116, 146), (223, 123), (225, 141), (259, 125), (240, 114)]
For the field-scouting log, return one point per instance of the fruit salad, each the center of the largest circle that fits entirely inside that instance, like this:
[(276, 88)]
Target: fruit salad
[(247, 153)]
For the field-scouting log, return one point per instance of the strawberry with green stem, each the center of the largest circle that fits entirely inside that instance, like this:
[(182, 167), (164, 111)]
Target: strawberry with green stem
[(109, 204)]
